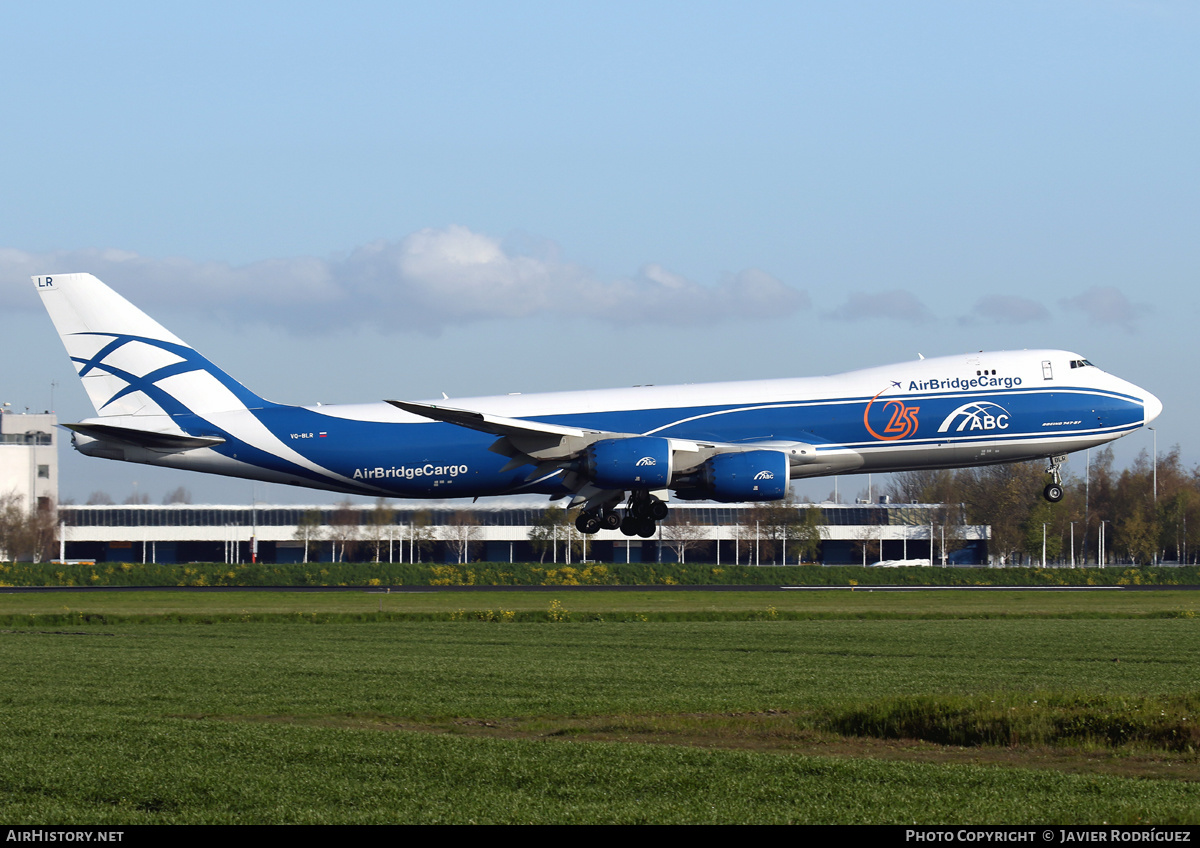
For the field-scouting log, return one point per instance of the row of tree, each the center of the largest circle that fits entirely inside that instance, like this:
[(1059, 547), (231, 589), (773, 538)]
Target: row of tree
[(1140, 514), (101, 498), (378, 537)]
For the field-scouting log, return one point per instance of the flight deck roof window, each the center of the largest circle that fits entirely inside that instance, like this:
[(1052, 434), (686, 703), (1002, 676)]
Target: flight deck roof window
[(1080, 363)]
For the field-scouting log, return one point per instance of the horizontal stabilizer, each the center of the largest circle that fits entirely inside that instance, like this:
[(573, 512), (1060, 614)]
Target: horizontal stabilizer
[(144, 438)]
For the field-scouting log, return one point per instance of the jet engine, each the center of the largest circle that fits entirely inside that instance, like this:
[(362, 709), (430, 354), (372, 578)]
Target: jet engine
[(642, 462), (758, 475)]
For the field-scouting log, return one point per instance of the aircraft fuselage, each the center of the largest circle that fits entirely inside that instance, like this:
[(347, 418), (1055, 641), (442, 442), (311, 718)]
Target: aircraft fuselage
[(945, 412)]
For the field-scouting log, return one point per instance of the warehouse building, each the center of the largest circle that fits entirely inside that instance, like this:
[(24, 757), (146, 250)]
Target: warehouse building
[(720, 534)]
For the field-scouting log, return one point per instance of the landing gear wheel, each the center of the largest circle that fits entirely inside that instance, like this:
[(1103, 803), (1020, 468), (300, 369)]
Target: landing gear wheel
[(610, 521), (629, 525), (645, 505), (1053, 493), (646, 528), (587, 523)]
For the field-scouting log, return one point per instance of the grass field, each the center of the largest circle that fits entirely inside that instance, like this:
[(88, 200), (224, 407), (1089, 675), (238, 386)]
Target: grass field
[(933, 707), (583, 605)]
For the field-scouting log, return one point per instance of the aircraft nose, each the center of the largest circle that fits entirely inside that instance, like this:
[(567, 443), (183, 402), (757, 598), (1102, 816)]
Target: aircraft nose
[(1151, 405)]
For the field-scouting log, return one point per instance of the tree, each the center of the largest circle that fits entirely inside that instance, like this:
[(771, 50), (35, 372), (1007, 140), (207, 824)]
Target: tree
[(343, 531), (463, 531), (939, 487), (379, 524), (555, 532), (309, 529), (929, 486), (421, 534), (574, 542), (25, 534), (758, 522), (1043, 526), (680, 533), (1136, 526), (1136, 535), (1004, 496), (778, 523), (179, 496), (1101, 490), (547, 530), (1177, 498), (810, 532), (867, 543)]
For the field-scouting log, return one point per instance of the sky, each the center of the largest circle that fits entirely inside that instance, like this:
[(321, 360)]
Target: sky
[(394, 200)]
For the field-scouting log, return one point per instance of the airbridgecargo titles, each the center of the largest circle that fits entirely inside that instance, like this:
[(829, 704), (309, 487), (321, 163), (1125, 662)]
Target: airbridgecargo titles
[(426, 470), (964, 384), (617, 453)]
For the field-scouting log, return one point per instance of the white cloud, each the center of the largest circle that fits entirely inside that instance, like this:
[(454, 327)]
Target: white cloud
[(897, 305), (427, 280), (1005, 309), (1107, 305)]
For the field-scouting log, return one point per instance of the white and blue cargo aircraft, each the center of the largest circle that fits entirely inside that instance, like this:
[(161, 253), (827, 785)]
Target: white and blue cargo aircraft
[(160, 402)]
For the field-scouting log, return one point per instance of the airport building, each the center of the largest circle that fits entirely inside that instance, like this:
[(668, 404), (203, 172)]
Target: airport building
[(718, 533), (29, 457)]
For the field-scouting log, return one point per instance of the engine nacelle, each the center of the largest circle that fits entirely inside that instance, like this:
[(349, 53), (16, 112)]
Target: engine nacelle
[(642, 462), (760, 475)]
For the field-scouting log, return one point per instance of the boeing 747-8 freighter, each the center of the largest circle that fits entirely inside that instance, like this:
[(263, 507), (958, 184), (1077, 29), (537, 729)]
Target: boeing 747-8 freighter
[(616, 452)]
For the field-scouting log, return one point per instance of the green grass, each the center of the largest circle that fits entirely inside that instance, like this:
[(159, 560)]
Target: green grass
[(551, 574), (695, 605), (276, 774), (439, 721)]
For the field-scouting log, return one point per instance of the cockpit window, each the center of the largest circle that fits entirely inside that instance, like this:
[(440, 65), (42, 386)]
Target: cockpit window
[(1081, 363)]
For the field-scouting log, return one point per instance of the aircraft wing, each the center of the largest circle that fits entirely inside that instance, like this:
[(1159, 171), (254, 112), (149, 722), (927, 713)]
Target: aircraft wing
[(549, 448), (523, 442), (537, 440), (497, 425)]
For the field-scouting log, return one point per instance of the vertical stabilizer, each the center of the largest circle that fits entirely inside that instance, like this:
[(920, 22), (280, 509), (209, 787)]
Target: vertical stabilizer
[(128, 362)]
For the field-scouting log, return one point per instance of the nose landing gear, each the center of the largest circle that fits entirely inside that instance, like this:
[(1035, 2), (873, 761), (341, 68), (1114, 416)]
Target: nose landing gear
[(1054, 491)]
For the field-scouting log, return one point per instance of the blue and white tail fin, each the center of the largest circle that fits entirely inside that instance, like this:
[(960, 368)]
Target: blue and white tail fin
[(130, 364)]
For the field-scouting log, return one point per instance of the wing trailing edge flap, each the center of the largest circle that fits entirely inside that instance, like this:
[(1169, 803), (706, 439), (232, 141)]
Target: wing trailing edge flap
[(149, 439)]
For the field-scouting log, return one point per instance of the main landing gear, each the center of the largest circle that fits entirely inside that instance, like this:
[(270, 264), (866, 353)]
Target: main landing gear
[(641, 517), (1054, 491), (594, 522)]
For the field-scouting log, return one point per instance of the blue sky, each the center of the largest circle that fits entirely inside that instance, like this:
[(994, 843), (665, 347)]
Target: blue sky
[(395, 200)]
